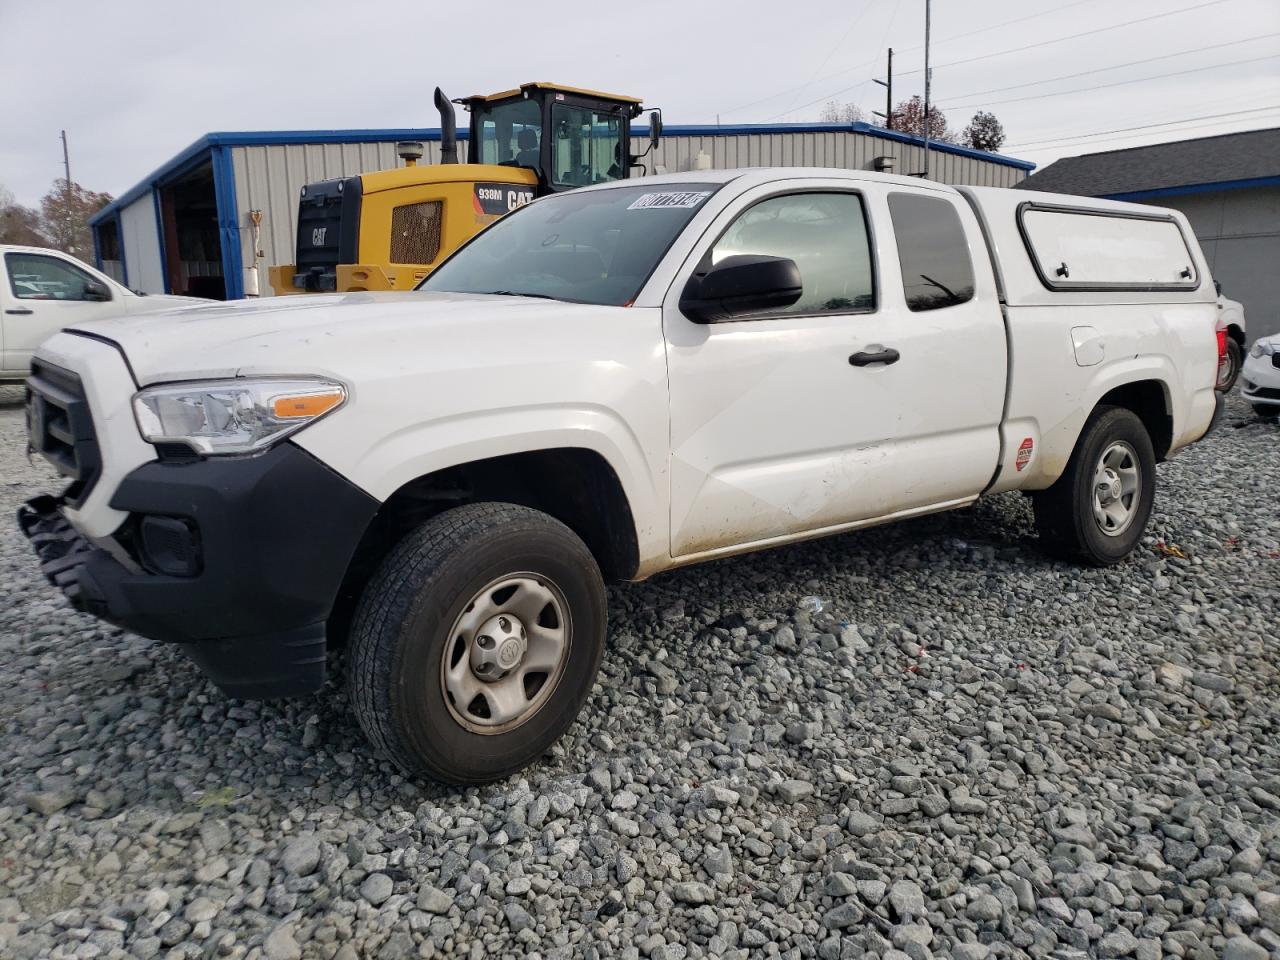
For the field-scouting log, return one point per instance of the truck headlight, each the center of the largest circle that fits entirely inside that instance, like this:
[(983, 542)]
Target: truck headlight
[(233, 416)]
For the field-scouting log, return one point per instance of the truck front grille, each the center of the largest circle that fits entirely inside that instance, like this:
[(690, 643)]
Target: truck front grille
[(60, 427)]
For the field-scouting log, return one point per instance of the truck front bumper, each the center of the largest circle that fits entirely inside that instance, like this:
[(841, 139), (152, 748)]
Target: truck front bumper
[(237, 560)]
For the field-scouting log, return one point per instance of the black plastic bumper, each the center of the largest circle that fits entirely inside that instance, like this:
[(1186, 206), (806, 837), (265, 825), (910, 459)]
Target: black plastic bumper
[(272, 536)]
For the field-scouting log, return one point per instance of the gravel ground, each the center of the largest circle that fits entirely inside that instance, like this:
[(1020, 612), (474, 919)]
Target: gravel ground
[(970, 751)]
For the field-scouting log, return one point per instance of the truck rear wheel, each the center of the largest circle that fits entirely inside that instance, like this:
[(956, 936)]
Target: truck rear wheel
[(476, 643), (1098, 509)]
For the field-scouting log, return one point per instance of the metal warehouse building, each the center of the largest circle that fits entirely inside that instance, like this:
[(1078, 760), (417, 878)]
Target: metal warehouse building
[(190, 228), (1229, 188)]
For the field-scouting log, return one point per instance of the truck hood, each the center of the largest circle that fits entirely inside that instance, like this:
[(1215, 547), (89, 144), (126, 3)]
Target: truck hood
[(333, 335), (160, 302)]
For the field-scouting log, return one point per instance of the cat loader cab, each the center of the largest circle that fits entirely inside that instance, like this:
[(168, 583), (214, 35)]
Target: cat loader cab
[(387, 230)]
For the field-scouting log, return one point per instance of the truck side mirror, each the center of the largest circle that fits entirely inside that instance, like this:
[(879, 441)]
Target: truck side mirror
[(96, 291), (746, 283), (655, 128)]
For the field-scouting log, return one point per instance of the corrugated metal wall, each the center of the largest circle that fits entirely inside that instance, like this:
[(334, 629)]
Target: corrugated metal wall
[(140, 243), (1239, 231), (269, 178), (850, 151)]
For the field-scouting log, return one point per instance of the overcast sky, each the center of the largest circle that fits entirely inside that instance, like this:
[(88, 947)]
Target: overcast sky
[(134, 82)]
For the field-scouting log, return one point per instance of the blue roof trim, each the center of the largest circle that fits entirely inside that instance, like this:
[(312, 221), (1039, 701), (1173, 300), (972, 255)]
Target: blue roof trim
[(954, 148), (871, 130), (190, 157), (1195, 188), (197, 152)]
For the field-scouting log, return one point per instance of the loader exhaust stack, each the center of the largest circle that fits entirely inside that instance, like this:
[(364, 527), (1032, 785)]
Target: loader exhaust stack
[(448, 129)]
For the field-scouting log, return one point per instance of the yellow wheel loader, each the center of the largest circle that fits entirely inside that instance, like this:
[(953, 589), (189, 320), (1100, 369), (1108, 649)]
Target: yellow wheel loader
[(387, 230)]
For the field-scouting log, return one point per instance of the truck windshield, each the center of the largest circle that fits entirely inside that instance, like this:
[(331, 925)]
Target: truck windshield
[(593, 246)]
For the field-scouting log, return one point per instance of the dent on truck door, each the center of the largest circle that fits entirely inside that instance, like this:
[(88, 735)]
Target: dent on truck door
[(846, 406)]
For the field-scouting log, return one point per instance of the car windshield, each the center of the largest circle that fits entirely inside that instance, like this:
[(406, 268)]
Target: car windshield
[(596, 246)]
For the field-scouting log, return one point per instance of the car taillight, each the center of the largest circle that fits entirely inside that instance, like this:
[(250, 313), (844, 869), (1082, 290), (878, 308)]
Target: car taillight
[(1222, 345)]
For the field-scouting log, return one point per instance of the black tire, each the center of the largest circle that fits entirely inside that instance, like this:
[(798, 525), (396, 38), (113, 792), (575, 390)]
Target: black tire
[(408, 609), (1065, 511), (1229, 371), (1267, 411)]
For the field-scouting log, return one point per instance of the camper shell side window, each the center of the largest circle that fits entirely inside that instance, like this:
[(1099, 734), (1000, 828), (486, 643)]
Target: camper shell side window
[(1078, 248)]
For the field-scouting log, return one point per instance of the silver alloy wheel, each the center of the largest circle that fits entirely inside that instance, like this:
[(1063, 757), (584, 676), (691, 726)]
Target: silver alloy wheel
[(1117, 490), (506, 653)]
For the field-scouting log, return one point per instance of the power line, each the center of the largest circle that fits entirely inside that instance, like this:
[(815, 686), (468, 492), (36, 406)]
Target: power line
[(873, 63), (1130, 63), (838, 44), (1006, 23), (999, 53), (1073, 36), (900, 73), (783, 93), (1144, 126), (1117, 83)]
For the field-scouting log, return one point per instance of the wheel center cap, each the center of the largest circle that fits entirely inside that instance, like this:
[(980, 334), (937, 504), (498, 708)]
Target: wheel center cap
[(498, 647), (509, 653), (1110, 490)]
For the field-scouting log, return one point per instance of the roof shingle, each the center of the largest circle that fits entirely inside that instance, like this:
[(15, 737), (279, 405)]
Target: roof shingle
[(1205, 160)]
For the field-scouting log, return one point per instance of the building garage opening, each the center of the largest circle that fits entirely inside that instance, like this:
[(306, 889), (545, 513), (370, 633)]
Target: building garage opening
[(109, 250), (192, 250)]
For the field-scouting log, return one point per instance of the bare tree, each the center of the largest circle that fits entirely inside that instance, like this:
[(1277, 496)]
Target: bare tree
[(908, 117), (984, 132), (19, 224), (835, 112), (66, 216)]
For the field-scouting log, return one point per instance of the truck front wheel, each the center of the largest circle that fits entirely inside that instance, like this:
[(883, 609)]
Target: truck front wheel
[(476, 642), (1098, 509)]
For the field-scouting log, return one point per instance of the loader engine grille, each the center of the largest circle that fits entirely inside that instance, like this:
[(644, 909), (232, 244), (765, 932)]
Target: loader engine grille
[(328, 232), (415, 232)]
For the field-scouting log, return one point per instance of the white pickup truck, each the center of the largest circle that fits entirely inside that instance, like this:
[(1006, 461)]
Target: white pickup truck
[(606, 384), (42, 291)]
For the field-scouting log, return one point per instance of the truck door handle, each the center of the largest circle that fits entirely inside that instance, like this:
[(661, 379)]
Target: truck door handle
[(20, 310), (885, 355)]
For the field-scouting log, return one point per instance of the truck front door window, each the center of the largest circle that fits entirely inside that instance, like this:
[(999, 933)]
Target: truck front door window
[(36, 277), (933, 252), (824, 233)]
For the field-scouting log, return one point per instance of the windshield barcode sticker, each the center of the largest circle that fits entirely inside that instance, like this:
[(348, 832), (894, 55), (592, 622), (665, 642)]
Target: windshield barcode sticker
[(653, 201)]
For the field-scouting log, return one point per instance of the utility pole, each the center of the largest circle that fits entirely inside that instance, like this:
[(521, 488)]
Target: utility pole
[(927, 77), (888, 94), (66, 184)]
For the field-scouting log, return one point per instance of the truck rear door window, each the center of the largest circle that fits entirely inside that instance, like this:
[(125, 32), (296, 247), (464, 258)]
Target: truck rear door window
[(1080, 249), (933, 251)]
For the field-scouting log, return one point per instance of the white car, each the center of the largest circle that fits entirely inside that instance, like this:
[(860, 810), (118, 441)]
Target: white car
[(1261, 376), (605, 384), (43, 291)]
